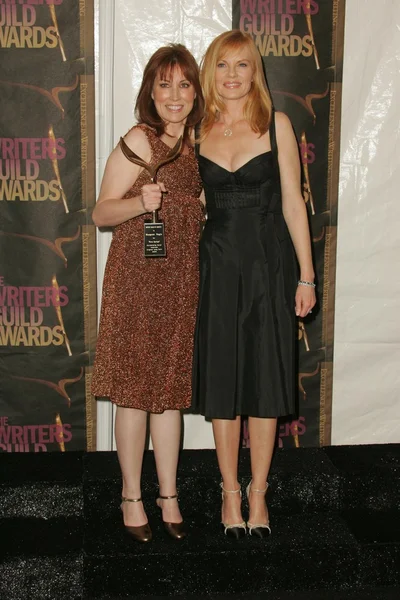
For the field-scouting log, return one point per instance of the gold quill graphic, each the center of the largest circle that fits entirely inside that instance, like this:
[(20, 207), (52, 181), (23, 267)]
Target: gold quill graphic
[(56, 170), (303, 376), (58, 387), (302, 334), (60, 432), (295, 435), (306, 184), (53, 95), (55, 23), (55, 246), (310, 31), (307, 101), (59, 313), (319, 237)]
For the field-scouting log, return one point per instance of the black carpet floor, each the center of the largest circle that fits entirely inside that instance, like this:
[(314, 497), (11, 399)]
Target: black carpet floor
[(334, 513)]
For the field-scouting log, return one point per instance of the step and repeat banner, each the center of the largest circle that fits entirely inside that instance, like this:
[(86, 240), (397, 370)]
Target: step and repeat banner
[(301, 42), (47, 245)]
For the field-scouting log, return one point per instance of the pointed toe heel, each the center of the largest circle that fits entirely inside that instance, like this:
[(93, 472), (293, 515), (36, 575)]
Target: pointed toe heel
[(259, 530), (235, 531), (177, 531), (141, 533)]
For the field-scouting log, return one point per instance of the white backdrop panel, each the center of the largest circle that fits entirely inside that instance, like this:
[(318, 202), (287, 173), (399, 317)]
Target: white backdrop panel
[(142, 27), (367, 326)]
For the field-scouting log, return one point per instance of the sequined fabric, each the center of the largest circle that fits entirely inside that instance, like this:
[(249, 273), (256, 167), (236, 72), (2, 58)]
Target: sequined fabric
[(144, 347)]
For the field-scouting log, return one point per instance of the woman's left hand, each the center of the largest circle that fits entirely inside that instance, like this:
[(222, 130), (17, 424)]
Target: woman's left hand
[(305, 300)]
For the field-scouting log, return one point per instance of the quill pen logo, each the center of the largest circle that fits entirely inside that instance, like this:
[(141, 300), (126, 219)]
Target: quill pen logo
[(53, 96), (57, 387), (36, 438), (55, 246)]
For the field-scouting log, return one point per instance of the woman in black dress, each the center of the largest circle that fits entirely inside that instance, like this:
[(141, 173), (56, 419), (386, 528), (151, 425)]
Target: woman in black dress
[(249, 290)]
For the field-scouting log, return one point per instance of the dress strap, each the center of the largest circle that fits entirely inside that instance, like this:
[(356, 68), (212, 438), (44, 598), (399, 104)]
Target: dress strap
[(274, 143), (272, 135), (196, 144)]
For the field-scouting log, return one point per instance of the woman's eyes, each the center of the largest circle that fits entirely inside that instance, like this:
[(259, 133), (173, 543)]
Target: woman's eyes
[(166, 84), (242, 64)]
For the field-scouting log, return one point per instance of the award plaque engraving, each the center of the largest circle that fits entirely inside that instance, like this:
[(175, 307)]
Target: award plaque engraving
[(154, 232)]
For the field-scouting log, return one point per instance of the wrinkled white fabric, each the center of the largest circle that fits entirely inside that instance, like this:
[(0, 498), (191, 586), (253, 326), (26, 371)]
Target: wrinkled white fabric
[(367, 313)]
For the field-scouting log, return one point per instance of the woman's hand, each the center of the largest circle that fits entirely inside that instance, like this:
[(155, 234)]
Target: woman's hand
[(305, 300), (152, 196)]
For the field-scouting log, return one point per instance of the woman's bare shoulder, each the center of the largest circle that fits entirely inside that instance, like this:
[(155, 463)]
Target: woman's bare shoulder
[(282, 121), (138, 142), (137, 139)]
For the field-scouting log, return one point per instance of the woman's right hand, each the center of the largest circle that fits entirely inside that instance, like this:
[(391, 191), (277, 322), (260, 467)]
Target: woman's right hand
[(152, 196)]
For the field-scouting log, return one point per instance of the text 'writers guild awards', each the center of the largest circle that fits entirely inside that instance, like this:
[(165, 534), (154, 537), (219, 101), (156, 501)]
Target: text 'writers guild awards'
[(154, 232)]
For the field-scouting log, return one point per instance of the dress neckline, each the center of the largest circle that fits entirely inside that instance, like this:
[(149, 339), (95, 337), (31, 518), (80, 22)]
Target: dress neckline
[(153, 131), (240, 168)]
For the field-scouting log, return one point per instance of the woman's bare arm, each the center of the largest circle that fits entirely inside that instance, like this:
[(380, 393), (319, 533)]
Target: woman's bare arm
[(294, 210), (119, 176)]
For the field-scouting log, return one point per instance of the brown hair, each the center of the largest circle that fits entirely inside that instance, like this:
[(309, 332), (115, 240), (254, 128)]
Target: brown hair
[(163, 61), (258, 108)]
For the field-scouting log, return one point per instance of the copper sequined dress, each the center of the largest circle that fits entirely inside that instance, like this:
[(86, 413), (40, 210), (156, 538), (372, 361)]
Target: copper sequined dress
[(144, 348)]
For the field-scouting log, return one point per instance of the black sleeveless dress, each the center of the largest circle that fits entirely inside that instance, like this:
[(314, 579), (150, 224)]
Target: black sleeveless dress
[(245, 331)]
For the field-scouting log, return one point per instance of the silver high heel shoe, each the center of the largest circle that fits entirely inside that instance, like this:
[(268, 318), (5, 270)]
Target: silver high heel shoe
[(260, 530), (236, 530)]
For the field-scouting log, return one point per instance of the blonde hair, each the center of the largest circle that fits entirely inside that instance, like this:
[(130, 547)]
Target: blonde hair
[(258, 108)]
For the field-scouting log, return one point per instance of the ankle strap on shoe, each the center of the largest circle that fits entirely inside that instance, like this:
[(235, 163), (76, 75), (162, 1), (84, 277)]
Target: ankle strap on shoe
[(252, 489), (168, 497), (221, 485), (131, 499)]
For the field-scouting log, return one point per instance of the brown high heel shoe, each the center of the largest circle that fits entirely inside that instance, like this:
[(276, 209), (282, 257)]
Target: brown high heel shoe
[(260, 530), (236, 530), (175, 530), (142, 533)]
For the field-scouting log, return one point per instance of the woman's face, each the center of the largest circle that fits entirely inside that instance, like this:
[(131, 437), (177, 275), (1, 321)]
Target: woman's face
[(234, 74), (173, 96)]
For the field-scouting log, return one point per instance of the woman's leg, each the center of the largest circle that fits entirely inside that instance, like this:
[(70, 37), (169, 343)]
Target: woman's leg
[(130, 435), (165, 431), (262, 440), (227, 437)]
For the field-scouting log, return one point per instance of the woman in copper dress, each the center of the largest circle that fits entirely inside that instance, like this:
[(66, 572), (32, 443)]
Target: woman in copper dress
[(249, 290), (144, 348)]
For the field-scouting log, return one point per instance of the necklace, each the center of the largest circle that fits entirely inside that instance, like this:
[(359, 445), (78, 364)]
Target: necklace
[(228, 131)]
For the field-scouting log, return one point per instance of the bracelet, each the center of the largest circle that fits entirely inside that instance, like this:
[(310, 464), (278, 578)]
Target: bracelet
[(310, 283)]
